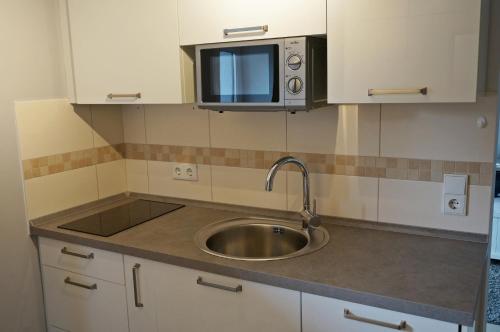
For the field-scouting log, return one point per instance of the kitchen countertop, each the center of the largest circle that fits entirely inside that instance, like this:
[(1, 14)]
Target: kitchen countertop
[(387, 267)]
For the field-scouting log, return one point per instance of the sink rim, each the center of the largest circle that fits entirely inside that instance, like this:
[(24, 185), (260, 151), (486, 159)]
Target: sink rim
[(316, 238)]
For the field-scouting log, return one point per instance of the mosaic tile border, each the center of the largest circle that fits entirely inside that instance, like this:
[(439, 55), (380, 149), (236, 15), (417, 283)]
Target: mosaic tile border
[(367, 166), (480, 173), (47, 165)]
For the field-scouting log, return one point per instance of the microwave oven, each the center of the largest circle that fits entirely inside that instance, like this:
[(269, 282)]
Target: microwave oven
[(274, 74)]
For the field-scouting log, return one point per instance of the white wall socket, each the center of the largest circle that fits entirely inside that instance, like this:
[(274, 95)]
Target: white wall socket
[(187, 172), (455, 194)]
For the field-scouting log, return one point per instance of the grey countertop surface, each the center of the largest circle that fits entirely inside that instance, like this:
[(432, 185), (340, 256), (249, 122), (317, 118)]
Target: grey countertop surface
[(423, 275)]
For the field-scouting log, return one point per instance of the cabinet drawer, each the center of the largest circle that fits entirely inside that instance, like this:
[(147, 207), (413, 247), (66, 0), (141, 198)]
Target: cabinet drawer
[(83, 260), (78, 303), (206, 21), (321, 314)]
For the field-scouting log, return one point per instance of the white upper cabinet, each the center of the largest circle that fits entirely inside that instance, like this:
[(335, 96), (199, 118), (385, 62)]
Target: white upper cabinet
[(126, 51), (403, 51), (214, 21)]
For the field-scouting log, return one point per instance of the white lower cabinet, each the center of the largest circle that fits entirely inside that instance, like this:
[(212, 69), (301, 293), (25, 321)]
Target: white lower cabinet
[(164, 297), (77, 303), (159, 297), (321, 314)]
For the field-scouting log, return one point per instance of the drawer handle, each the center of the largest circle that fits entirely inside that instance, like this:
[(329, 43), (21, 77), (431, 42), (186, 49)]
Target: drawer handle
[(349, 315), (74, 283), (65, 251), (262, 28), (236, 289), (416, 91), (125, 95), (135, 279)]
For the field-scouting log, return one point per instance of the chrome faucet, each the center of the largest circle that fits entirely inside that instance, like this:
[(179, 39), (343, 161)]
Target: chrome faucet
[(309, 217)]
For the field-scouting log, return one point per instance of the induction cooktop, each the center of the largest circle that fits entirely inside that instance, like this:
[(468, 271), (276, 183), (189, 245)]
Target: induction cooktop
[(120, 218)]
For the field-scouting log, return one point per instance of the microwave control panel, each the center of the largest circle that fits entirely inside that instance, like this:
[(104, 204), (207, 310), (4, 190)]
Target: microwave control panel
[(295, 72)]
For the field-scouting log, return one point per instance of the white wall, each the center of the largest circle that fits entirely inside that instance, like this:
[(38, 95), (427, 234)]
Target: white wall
[(30, 69), (494, 47)]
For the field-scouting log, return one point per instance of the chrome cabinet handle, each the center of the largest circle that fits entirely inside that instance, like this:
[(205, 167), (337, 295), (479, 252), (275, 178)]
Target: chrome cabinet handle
[(65, 251), (263, 28), (74, 283), (349, 315), (135, 279), (415, 91), (125, 95), (236, 289)]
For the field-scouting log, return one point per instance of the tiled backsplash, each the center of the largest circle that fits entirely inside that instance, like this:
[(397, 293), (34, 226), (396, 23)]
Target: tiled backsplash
[(374, 162), (70, 155), (57, 163), (367, 166)]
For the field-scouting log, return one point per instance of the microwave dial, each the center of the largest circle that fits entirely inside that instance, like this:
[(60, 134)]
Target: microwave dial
[(295, 85), (294, 62)]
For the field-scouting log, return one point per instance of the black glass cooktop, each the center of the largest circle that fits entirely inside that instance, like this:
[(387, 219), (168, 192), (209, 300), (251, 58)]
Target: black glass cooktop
[(120, 218)]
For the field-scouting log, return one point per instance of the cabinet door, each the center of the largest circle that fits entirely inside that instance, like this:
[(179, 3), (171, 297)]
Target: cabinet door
[(125, 47), (398, 47), (141, 278), (186, 300), (204, 21), (321, 314), (72, 307)]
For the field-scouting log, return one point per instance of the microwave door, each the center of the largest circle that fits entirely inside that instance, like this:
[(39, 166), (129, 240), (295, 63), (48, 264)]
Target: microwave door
[(240, 75)]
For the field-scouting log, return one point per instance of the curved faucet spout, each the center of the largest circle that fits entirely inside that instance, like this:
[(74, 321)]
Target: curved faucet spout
[(310, 217), (282, 162)]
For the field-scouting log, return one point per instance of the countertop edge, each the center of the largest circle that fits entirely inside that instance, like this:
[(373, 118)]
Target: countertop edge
[(369, 299)]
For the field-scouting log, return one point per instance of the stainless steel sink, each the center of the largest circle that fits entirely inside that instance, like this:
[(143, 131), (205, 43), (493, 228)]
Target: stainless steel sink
[(260, 239)]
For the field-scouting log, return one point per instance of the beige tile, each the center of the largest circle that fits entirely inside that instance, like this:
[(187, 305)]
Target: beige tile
[(134, 126), (337, 195), (162, 183), (245, 186), (312, 132), (137, 175), (56, 192), (111, 178), (176, 125), (358, 130), (439, 131), (107, 121), (50, 127), (248, 130), (418, 203)]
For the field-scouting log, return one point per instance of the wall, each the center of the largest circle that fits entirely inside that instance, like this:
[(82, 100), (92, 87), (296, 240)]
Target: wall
[(71, 154), (373, 162), (494, 47), (30, 69)]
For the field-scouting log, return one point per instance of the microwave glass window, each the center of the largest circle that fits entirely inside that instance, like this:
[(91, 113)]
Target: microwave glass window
[(248, 74)]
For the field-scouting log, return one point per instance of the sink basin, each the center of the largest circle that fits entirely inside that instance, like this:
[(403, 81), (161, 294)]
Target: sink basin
[(259, 239)]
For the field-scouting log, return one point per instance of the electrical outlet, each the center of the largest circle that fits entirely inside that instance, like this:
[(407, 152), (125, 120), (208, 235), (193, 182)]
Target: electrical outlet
[(454, 204), (455, 194), (187, 172)]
